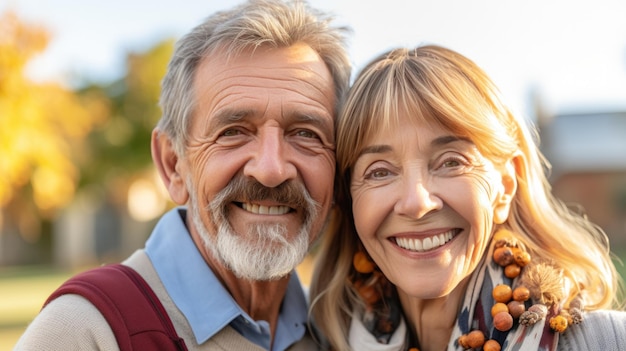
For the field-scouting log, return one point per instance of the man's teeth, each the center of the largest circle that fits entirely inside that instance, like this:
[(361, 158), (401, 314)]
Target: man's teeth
[(425, 244), (260, 209)]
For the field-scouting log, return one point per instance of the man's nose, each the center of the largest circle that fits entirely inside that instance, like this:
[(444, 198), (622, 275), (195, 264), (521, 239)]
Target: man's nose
[(270, 164)]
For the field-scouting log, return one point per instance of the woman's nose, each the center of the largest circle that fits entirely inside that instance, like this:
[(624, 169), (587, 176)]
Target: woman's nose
[(416, 200)]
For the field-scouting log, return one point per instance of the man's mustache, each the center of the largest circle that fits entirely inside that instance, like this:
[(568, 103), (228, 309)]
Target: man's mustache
[(242, 189)]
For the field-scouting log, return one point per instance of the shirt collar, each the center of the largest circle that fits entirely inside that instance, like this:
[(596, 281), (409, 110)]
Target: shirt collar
[(200, 296)]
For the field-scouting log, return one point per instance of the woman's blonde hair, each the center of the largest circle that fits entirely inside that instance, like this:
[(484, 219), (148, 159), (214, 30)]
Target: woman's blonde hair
[(437, 85)]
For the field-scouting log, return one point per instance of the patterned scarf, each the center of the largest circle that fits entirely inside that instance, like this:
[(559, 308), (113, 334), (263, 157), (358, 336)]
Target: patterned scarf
[(475, 314)]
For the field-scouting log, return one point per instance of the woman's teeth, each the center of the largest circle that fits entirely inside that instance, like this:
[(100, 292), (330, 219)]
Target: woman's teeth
[(421, 245)]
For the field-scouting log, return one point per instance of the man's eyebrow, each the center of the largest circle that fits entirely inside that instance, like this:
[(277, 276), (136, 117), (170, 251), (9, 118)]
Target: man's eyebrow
[(225, 117)]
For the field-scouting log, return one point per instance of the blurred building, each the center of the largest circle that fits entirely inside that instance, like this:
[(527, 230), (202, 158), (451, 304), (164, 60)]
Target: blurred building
[(94, 229), (587, 151)]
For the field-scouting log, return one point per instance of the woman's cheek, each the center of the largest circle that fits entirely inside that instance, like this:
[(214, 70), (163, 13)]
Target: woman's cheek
[(365, 211), (358, 210)]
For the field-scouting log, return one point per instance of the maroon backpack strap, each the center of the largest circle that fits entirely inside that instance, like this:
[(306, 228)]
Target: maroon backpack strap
[(133, 311)]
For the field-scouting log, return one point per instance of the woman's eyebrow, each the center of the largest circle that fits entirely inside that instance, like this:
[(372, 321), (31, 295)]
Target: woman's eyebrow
[(440, 141), (447, 139), (374, 149)]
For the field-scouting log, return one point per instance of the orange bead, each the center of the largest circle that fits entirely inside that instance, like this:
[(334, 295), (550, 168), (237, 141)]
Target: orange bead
[(498, 307), (491, 345), (475, 339), (503, 256), (522, 258), (516, 308), (362, 263), (503, 321), (502, 293), (521, 293), (512, 270)]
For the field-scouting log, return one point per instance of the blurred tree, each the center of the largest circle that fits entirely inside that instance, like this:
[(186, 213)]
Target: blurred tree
[(42, 126), (119, 149), (55, 142), (117, 173)]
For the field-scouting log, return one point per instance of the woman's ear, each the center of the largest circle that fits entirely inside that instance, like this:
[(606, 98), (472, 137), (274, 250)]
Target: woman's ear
[(168, 165), (509, 187)]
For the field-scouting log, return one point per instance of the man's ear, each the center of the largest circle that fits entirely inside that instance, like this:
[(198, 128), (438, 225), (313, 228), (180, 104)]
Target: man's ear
[(169, 165), (509, 187)]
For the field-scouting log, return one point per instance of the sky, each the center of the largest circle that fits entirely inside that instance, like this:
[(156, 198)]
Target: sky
[(570, 53)]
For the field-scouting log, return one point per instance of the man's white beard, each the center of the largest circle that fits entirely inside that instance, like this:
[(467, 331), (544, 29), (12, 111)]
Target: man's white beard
[(265, 252)]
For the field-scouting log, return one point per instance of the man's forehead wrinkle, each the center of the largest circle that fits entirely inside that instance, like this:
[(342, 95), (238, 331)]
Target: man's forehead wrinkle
[(315, 102), (301, 74), (267, 107), (246, 81), (229, 76)]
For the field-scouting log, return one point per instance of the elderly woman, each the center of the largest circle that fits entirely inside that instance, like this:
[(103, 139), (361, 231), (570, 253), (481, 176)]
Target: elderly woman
[(447, 235)]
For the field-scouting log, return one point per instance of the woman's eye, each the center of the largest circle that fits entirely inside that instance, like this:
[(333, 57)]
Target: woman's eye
[(451, 162), (452, 165), (377, 174)]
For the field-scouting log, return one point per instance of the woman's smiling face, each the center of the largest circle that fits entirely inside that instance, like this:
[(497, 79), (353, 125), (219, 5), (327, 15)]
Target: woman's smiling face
[(424, 203)]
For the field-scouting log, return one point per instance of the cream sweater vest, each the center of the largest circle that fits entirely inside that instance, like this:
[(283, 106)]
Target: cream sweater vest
[(72, 323)]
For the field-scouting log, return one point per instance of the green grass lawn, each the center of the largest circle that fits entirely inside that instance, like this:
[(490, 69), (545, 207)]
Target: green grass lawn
[(23, 291)]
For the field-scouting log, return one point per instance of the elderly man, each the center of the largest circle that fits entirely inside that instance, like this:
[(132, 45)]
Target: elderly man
[(246, 143)]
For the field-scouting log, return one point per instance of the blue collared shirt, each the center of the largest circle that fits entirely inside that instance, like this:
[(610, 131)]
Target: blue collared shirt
[(204, 301)]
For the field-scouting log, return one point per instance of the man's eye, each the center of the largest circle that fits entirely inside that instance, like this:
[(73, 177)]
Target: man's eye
[(305, 133), (231, 132)]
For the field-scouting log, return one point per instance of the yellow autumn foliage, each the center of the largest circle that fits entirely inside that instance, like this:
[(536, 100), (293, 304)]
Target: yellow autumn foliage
[(42, 125)]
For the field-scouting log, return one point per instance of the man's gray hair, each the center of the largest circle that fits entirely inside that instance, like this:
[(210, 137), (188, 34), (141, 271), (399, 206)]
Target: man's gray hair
[(275, 23)]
